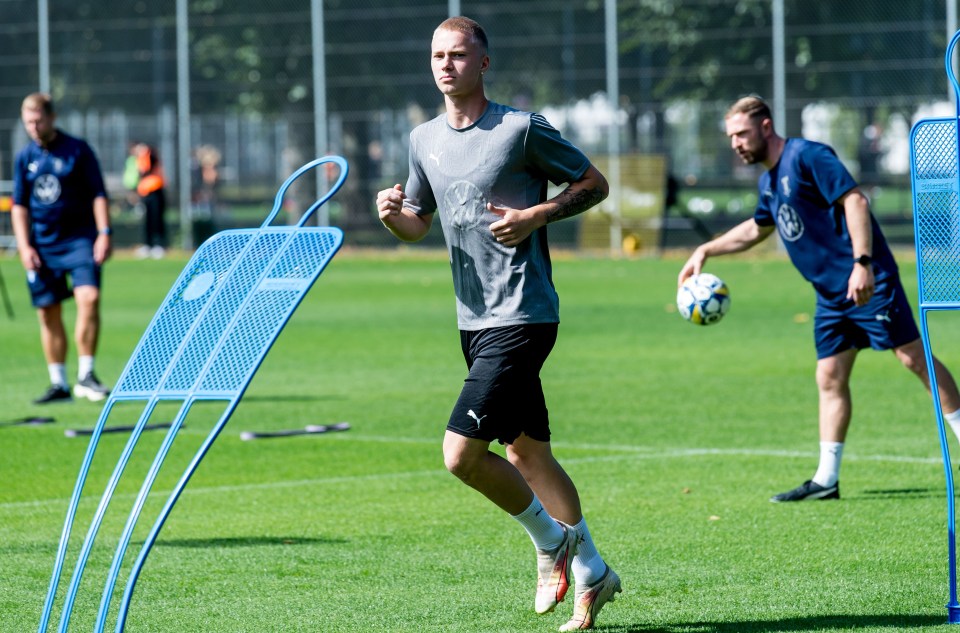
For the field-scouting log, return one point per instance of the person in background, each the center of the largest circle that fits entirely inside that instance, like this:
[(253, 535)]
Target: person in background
[(131, 176), (62, 228), (206, 180), (150, 188), (824, 220)]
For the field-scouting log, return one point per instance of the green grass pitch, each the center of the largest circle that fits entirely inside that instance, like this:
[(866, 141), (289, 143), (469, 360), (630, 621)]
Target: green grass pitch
[(676, 436)]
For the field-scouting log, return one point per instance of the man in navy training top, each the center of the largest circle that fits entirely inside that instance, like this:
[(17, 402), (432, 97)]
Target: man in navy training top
[(825, 223), (483, 169), (62, 227)]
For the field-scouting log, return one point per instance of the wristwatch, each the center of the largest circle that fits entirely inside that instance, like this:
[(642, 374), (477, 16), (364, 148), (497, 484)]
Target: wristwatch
[(106, 231), (863, 260)]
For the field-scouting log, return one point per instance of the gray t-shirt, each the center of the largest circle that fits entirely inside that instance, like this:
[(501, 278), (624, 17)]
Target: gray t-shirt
[(506, 158)]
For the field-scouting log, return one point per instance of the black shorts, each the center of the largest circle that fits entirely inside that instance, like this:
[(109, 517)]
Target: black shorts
[(502, 396)]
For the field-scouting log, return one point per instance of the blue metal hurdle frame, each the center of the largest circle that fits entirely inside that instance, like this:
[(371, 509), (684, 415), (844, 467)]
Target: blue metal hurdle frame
[(206, 341), (935, 180)]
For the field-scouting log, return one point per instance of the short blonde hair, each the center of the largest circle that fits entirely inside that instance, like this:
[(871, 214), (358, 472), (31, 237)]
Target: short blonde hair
[(753, 106), (468, 27), (38, 101)]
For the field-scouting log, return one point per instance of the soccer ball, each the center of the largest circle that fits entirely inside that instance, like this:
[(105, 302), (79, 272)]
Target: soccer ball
[(703, 299)]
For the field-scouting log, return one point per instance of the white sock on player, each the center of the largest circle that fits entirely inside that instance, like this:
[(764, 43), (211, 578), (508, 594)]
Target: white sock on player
[(828, 472), (58, 374), (545, 533), (588, 565)]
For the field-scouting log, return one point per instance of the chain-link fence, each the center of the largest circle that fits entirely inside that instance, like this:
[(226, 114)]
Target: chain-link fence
[(855, 75)]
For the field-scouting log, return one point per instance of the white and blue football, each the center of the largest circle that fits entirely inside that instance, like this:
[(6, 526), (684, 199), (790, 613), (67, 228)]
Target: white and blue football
[(703, 299)]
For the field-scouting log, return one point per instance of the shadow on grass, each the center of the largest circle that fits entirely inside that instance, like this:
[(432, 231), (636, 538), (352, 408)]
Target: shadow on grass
[(813, 623), (903, 493), (248, 541), (198, 543)]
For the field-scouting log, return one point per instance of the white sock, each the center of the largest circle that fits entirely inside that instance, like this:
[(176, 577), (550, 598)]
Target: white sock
[(58, 374), (544, 531), (84, 366), (828, 472), (953, 419), (588, 566)]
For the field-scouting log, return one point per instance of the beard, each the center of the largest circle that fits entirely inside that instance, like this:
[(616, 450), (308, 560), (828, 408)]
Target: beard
[(755, 155)]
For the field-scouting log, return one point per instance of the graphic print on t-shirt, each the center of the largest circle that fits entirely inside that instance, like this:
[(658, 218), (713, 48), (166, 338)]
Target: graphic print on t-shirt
[(466, 204)]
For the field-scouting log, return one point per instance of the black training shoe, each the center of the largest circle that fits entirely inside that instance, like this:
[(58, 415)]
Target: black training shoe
[(54, 393), (808, 491), (91, 388)]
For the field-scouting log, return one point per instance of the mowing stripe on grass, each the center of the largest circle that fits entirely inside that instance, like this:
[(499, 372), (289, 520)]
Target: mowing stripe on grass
[(633, 453)]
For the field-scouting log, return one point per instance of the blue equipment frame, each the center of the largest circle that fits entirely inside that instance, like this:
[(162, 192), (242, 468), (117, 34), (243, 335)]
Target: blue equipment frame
[(935, 180), (206, 341)]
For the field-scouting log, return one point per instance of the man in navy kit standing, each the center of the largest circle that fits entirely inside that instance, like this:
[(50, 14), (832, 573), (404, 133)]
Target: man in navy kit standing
[(825, 222), (62, 227), (483, 169)]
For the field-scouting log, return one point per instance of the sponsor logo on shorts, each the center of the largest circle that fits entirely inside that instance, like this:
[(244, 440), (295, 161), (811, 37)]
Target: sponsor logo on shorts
[(474, 416)]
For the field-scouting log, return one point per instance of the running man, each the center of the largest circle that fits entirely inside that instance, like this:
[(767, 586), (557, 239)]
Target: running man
[(485, 167)]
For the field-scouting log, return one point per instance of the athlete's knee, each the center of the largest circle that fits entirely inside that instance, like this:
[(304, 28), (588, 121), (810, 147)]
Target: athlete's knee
[(832, 378), (527, 456), (87, 296), (912, 357), (530, 466), (50, 316), (461, 459), (914, 364), (455, 463)]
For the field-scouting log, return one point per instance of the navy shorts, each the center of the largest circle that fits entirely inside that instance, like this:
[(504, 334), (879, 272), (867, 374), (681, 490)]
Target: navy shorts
[(502, 396), (885, 322), (74, 259)]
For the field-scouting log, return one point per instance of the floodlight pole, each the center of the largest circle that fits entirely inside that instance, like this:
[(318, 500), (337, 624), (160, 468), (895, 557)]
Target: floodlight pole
[(43, 43), (779, 79), (183, 126), (320, 138), (613, 131), (779, 67)]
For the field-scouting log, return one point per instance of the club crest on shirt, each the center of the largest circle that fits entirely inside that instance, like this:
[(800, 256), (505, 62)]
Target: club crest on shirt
[(789, 223), (46, 188)]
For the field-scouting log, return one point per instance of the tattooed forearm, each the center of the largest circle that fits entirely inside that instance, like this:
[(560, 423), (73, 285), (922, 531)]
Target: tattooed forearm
[(570, 203)]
